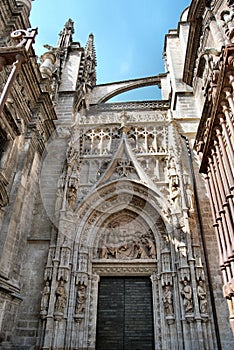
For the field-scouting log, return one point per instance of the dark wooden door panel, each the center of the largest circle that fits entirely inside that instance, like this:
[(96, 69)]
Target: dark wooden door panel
[(110, 320), (125, 320)]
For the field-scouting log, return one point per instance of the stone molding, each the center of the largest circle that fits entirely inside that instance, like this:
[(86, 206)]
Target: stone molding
[(124, 268), (144, 105)]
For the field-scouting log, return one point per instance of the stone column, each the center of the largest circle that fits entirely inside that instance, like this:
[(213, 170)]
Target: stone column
[(225, 222), (227, 165), (228, 141), (157, 310), (229, 96), (231, 80), (224, 178), (216, 228), (226, 204), (92, 322), (228, 119), (222, 226), (49, 329)]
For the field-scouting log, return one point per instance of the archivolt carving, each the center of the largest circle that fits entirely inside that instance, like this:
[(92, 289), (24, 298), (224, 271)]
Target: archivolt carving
[(112, 200)]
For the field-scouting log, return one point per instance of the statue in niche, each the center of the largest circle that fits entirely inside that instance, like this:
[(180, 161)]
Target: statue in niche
[(45, 297), (172, 169), (106, 145), (71, 197), (175, 196), (151, 144), (61, 298), (182, 248), (190, 197), (132, 142), (141, 145), (160, 142), (187, 296), (87, 146), (202, 297), (168, 301), (96, 146), (166, 241), (81, 299), (59, 193)]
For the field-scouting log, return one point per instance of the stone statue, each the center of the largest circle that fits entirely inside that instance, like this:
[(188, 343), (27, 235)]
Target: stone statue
[(167, 300), (135, 246), (190, 197), (151, 247), (45, 297), (71, 197), (81, 298), (172, 173), (141, 253), (175, 196), (61, 297), (187, 296), (201, 293)]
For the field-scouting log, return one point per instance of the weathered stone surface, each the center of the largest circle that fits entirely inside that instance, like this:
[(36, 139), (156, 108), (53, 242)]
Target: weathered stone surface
[(94, 191)]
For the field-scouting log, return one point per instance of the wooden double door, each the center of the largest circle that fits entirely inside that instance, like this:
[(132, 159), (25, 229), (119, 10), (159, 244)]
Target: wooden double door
[(125, 314)]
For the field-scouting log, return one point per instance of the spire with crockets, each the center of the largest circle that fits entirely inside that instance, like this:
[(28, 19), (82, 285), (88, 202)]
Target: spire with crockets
[(90, 61), (65, 36)]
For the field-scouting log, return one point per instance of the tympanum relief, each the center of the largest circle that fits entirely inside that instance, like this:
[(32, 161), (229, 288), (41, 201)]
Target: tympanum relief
[(126, 242)]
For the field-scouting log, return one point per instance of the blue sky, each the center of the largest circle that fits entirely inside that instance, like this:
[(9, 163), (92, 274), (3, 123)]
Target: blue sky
[(129, 35)]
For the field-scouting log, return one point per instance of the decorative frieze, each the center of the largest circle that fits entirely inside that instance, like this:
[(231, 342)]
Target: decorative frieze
[(124, 268), (146, 105)]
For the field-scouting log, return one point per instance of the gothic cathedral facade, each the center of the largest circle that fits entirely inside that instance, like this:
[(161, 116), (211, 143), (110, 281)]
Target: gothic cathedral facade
[(117, 218)]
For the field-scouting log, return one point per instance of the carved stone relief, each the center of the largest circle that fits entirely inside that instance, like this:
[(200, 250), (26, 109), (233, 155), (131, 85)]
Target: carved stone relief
[(61, 298), (187, 297), (168, 300), (81, 299), (202, 297), (126, 239), (45, 295)]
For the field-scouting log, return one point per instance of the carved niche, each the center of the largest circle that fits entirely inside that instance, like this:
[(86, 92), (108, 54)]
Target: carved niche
[(126, 238)]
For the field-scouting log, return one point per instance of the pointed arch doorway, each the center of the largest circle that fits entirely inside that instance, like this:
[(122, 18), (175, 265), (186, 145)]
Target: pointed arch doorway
[(120, 238), (125, 314), (126, 254)]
